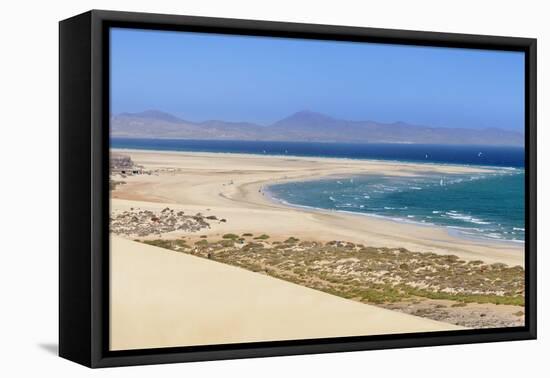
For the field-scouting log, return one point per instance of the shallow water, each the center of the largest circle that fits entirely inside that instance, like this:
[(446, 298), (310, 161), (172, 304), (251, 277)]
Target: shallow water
[(477, 205)]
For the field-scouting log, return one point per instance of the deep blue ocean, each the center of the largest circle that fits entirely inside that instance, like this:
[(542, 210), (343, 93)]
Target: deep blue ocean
[(429, 153), (484, 205)]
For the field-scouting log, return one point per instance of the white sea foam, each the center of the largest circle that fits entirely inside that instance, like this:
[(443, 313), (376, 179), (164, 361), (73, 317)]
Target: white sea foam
[(464, 217), (462, 222)]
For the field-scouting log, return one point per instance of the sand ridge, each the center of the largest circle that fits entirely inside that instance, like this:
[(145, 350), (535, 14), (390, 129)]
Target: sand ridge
[(162, 298)]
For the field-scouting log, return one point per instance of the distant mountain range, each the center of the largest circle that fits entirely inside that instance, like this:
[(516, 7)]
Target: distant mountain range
[(304, 126)]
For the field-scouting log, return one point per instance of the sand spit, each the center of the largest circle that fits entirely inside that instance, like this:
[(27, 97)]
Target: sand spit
[(230, 186)]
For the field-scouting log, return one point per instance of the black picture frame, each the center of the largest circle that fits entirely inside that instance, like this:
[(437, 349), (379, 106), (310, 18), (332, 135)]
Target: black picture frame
[(84, 199)]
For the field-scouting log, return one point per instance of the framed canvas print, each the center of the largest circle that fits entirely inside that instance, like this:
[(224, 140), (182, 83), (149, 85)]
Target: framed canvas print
[(234, 188)]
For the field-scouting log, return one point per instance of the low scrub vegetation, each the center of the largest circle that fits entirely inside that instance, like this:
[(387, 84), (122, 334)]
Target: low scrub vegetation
[(365, 274)]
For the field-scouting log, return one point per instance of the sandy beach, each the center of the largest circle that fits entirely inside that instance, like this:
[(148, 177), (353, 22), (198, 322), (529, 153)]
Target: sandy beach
[(231, 187), (161, 298)]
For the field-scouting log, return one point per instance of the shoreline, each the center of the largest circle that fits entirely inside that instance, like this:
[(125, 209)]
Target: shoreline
[(373, 160), (203, 205), (233, 186), (451, 230)]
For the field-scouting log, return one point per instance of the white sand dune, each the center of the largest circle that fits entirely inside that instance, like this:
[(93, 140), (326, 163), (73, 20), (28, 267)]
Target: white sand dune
[(161, 298)]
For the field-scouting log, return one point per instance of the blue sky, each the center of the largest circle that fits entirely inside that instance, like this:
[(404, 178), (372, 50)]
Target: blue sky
[(257, 79)]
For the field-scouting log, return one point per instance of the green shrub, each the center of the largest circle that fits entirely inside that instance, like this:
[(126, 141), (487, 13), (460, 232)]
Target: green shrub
[(262, 237), (227, 243)]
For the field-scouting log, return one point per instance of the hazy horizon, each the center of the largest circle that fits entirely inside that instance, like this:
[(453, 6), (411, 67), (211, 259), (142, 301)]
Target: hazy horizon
[(297, 112), (197, 76)]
